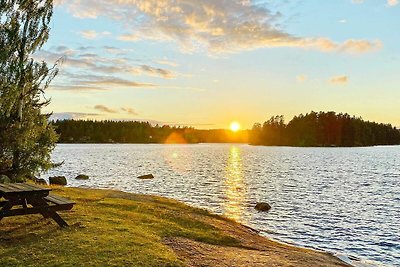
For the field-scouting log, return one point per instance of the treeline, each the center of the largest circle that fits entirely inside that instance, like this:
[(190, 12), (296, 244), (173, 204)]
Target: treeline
[(312, 129), (79, 131), (323, 129)]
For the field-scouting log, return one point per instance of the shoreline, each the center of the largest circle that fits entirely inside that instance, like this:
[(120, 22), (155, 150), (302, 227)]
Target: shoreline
[(227, 143), (163, 230)]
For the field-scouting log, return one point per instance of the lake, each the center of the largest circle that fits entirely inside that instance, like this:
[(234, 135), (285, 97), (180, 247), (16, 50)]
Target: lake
[(342, 200)]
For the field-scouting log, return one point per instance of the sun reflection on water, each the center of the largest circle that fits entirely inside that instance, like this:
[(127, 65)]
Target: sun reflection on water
[(235, 188)]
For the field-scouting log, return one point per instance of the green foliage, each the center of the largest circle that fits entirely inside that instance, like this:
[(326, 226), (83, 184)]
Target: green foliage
[(27, 138), (324, 129)]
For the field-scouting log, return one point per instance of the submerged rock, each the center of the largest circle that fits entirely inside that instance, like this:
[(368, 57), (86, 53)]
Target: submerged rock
[(58, 180), (262, 206), (82, 177), (4, 179), (147, 176)]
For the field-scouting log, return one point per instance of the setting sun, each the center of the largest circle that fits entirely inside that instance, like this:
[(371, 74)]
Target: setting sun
[(235, 126)]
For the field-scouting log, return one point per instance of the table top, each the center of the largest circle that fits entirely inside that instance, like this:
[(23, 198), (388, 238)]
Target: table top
[(22, 189)]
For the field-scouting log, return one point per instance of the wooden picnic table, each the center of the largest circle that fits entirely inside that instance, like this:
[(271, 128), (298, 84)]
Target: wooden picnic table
[(25, 199)]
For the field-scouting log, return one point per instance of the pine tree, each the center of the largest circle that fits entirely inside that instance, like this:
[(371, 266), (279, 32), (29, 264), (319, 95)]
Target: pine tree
[(27, 138)]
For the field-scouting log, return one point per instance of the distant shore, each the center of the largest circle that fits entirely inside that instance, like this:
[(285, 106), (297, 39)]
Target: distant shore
[(115, 228)]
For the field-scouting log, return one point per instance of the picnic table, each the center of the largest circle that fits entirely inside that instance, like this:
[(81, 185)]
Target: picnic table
[(25, 199)]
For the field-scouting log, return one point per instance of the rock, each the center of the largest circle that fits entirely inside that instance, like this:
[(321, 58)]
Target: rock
[(262, 206), (4, 179), (147, 176), (58, 180), (82, 177), (40, 181)]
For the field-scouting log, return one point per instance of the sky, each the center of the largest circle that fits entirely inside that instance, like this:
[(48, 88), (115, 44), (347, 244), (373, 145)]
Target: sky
[(206, 63)]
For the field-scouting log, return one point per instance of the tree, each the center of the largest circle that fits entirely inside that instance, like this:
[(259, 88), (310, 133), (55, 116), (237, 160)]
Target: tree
[(27, 138)]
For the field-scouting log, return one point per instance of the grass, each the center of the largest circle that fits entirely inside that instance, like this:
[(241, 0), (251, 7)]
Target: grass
[(107, 228)]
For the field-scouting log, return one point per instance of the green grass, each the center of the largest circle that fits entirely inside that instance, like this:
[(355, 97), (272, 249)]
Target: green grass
[(107, 228)]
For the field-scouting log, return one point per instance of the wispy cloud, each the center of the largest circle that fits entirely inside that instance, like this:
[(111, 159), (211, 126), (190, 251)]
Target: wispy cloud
[(392, 2), (105, 109), (130, 111), (339, 80), (114, 82), (223, 26), (167, 62), (72, 116), (100, 64), (158, 72), (301, 78), (91, 35)]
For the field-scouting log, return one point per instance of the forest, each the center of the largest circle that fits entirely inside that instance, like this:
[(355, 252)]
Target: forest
[(310, 130), (80, 131), (323, 129)]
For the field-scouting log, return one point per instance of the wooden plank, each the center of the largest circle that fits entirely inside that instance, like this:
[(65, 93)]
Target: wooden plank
[(4, 188), (58, 200), (14, 191), (11, 188), (33, 210), (18, 187), (37, 188)]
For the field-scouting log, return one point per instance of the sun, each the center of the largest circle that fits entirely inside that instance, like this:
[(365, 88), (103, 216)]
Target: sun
[(235, 126)]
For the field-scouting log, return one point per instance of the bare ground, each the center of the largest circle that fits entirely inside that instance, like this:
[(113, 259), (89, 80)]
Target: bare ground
[(254, 250)]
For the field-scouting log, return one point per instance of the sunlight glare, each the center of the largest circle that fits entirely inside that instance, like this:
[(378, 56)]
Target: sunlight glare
[(235, 126)]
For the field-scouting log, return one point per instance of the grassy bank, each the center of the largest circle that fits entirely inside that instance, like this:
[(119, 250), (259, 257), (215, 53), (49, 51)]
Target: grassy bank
[(110, 228)]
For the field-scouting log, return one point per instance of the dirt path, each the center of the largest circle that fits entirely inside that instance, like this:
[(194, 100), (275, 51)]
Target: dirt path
[(255, 250)]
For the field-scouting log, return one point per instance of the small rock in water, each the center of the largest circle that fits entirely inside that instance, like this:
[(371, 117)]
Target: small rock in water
[(40, 181), (262, 206), (58, 180), (82, 177), (147, 176)]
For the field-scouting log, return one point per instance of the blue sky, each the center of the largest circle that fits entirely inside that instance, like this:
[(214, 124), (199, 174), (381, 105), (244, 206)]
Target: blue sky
[(206, 63)]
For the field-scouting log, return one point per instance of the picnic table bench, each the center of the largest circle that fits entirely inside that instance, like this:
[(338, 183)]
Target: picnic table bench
[(25, 199)]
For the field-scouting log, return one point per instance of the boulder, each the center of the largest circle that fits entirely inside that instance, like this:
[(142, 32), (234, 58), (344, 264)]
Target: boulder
[(4, 179), (58, 180), (147, 176), (262, 206), (82, 177), (40, 181)]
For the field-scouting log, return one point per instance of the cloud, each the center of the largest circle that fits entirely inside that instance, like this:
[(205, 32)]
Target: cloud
[(339, 80), (167, 62), (75, 88), (72, 116), (99, 64), (223, 26), (129, 37), (157, 72), (349, 46), (301, 78), (91, 35), (114, 82), (390, 3), (130, 111), (105, 109), (84, 69)]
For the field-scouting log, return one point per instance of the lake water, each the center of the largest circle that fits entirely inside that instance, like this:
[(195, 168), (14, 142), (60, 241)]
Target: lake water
[(343, 200)]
